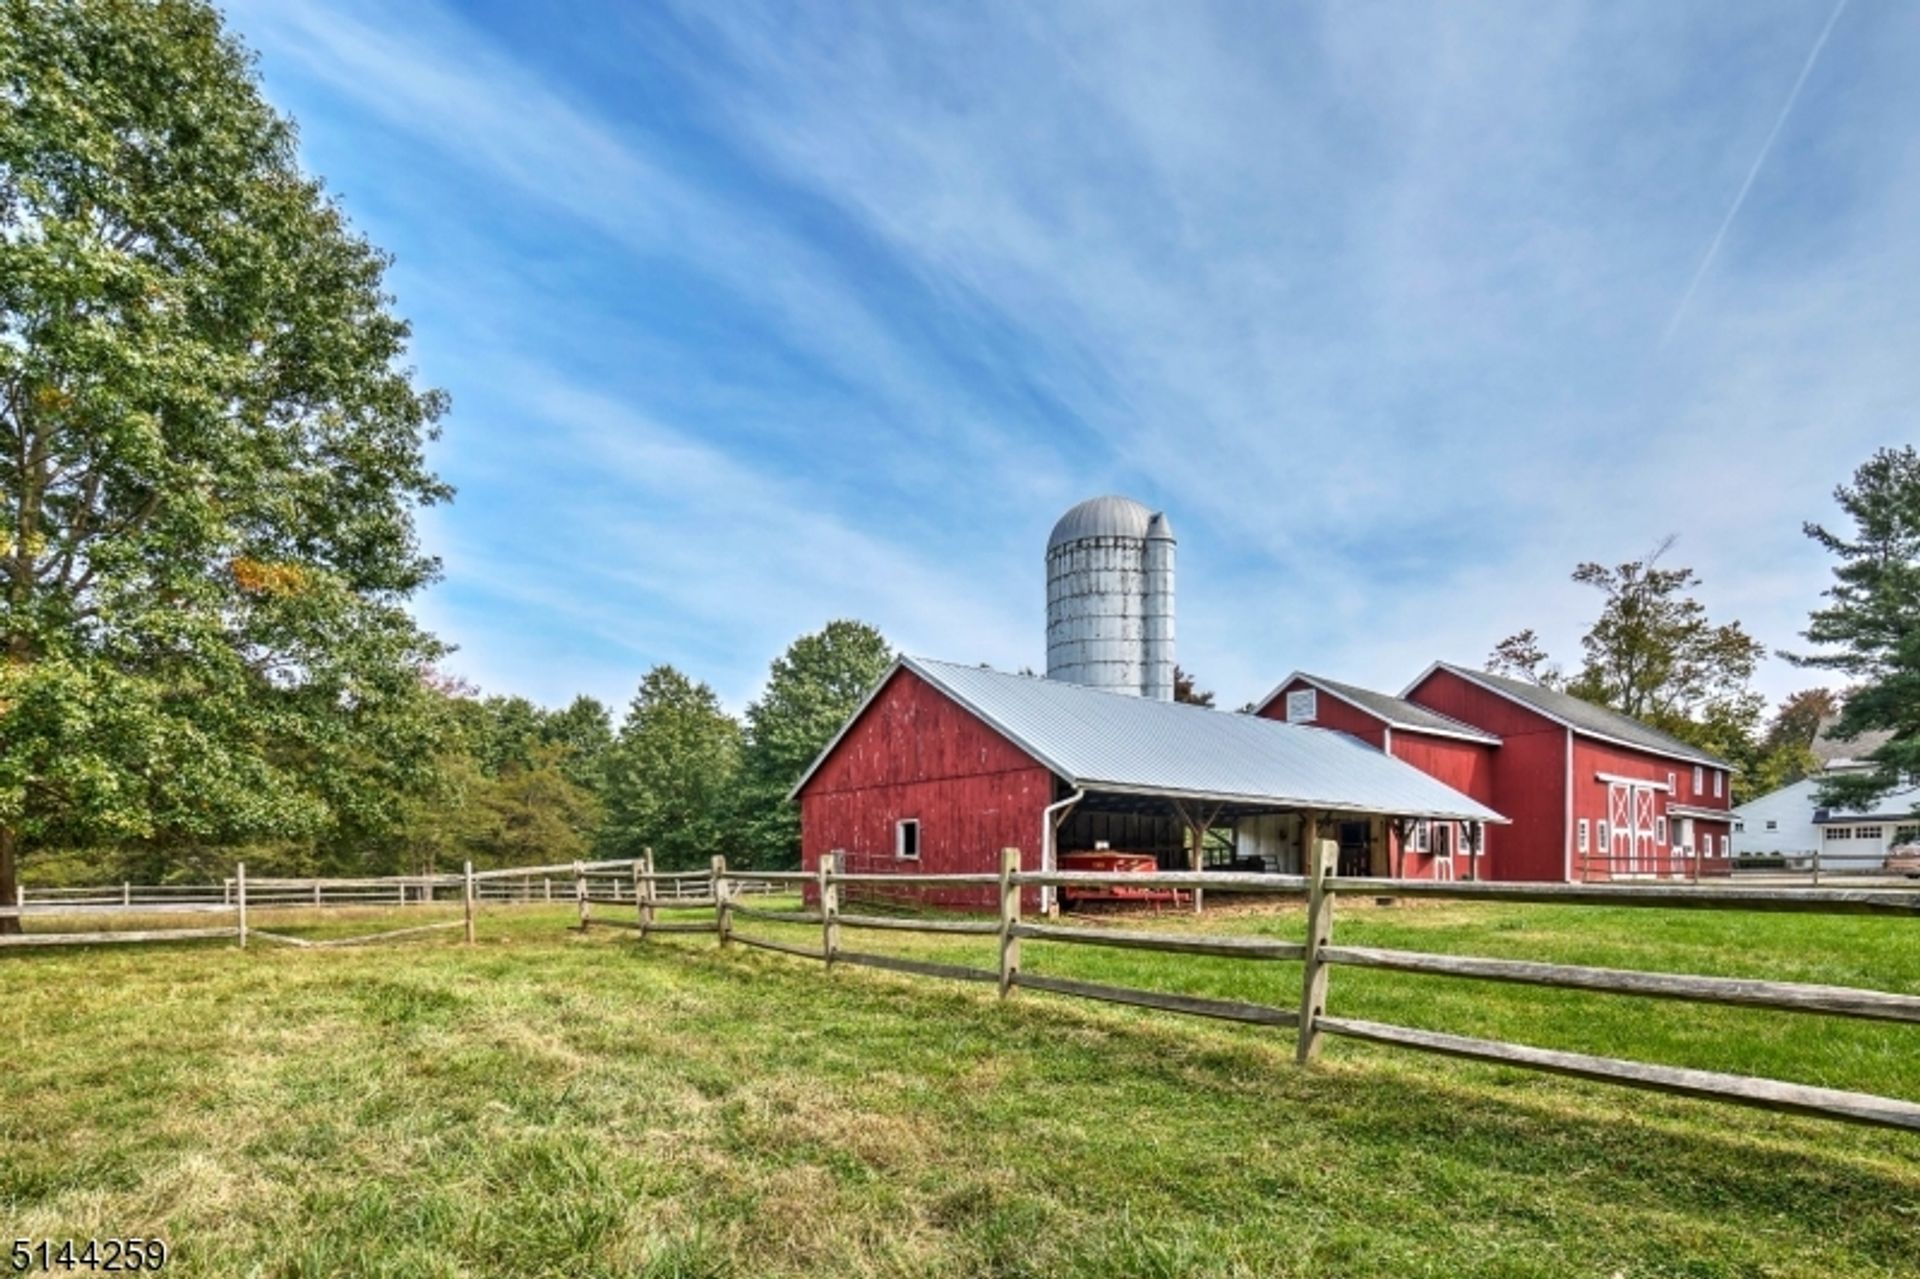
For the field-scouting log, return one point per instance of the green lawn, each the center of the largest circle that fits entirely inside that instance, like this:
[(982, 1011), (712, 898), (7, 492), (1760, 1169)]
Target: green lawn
[(552, 1104)]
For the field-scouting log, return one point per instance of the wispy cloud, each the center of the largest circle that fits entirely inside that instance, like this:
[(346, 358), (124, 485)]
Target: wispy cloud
[(756, 315), (1759, 159)]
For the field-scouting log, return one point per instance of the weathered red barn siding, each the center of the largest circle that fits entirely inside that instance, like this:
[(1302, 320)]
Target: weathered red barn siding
[(1528, 772), (1465, 766), (914, 753), (1331, 712), (1591, 758)]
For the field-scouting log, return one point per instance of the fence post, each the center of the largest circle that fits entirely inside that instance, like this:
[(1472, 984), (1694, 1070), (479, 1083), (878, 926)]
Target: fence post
[(1324, 855), (722, 919), (466, 892), (829, 908), (126, 893), (650, 893), (240, 879), (580, 896), (1009, 920), (316, 892)]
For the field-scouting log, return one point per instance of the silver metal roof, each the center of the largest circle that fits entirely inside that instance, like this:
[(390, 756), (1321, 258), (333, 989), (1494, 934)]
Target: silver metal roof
[(1582, 716), (1109, 517), (1395, 712), (1096, 740)]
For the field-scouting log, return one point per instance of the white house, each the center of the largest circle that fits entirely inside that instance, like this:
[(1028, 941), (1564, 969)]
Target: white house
[(1790, 823)]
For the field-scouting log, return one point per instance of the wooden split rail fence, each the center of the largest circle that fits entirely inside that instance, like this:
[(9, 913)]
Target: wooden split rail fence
[(235, 902), (1319, 955)]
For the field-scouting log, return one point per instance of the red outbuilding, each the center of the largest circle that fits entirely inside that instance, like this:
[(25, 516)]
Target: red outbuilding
[(1589, 794)]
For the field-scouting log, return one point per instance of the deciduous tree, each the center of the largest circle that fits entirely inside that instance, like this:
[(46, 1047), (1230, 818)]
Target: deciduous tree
[(672, 774), (813, 687), (210, 449)]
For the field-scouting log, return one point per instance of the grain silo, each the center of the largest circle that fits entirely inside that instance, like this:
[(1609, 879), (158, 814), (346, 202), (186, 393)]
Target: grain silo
[(1110, 598)]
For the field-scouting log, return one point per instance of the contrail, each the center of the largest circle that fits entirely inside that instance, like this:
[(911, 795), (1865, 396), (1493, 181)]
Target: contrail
[(1733, 210)]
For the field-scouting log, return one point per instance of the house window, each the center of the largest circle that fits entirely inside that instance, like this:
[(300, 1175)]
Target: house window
[(1719, 783), (1772, 824), (1583, 835), (1303, 706), (1699, 781), (1837, 833), (1422, 836), (1660, 830), (1867, 832), (906, 839)]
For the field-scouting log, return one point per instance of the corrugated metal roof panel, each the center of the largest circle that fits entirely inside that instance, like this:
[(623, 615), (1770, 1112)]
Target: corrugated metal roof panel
[(1107, 741)]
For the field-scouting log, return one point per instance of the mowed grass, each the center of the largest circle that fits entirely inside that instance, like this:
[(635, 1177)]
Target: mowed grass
[(547, 1103)]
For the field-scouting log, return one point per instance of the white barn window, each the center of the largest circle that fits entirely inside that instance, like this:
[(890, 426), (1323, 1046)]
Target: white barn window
[(1583, 835), (1719, 783), (1303, 706), (906, 839), (1660, 831), (1699, 781)]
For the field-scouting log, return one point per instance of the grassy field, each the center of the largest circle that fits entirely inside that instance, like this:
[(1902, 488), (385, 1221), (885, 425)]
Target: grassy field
[(552, 1104)]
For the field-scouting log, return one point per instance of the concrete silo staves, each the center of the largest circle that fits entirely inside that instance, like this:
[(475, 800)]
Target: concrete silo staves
[(1110, 616)]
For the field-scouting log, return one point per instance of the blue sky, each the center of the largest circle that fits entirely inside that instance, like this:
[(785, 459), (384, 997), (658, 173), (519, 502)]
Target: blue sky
[(758, 315)]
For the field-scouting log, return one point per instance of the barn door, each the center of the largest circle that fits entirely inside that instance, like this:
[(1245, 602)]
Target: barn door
[(1643, 856), (1619, 828)]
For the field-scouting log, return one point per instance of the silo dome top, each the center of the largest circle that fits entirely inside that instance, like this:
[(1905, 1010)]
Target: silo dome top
[(1108, 517)]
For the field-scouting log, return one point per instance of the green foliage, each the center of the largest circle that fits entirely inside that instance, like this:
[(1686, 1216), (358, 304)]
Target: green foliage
[(1870, 628), (811, 691), (210, 454), (672, 774), (1653, 654), (1522, 656), (1187, 690)]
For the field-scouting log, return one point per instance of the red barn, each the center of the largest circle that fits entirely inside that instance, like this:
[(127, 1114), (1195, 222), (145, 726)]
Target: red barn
[(1590, 794), (945, 765)]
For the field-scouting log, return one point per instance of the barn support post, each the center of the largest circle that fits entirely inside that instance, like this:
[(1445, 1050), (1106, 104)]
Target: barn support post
[(240, 892), (1009, 920), (1051, 819), (1323, 860), (722, 917), (829, 907)]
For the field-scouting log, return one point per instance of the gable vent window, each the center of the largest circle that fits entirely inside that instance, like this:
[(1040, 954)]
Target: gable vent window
[(906, 839), (1303, 706)]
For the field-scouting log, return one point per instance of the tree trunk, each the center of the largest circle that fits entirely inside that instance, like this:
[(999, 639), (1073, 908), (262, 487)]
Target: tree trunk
[(9, 877)]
